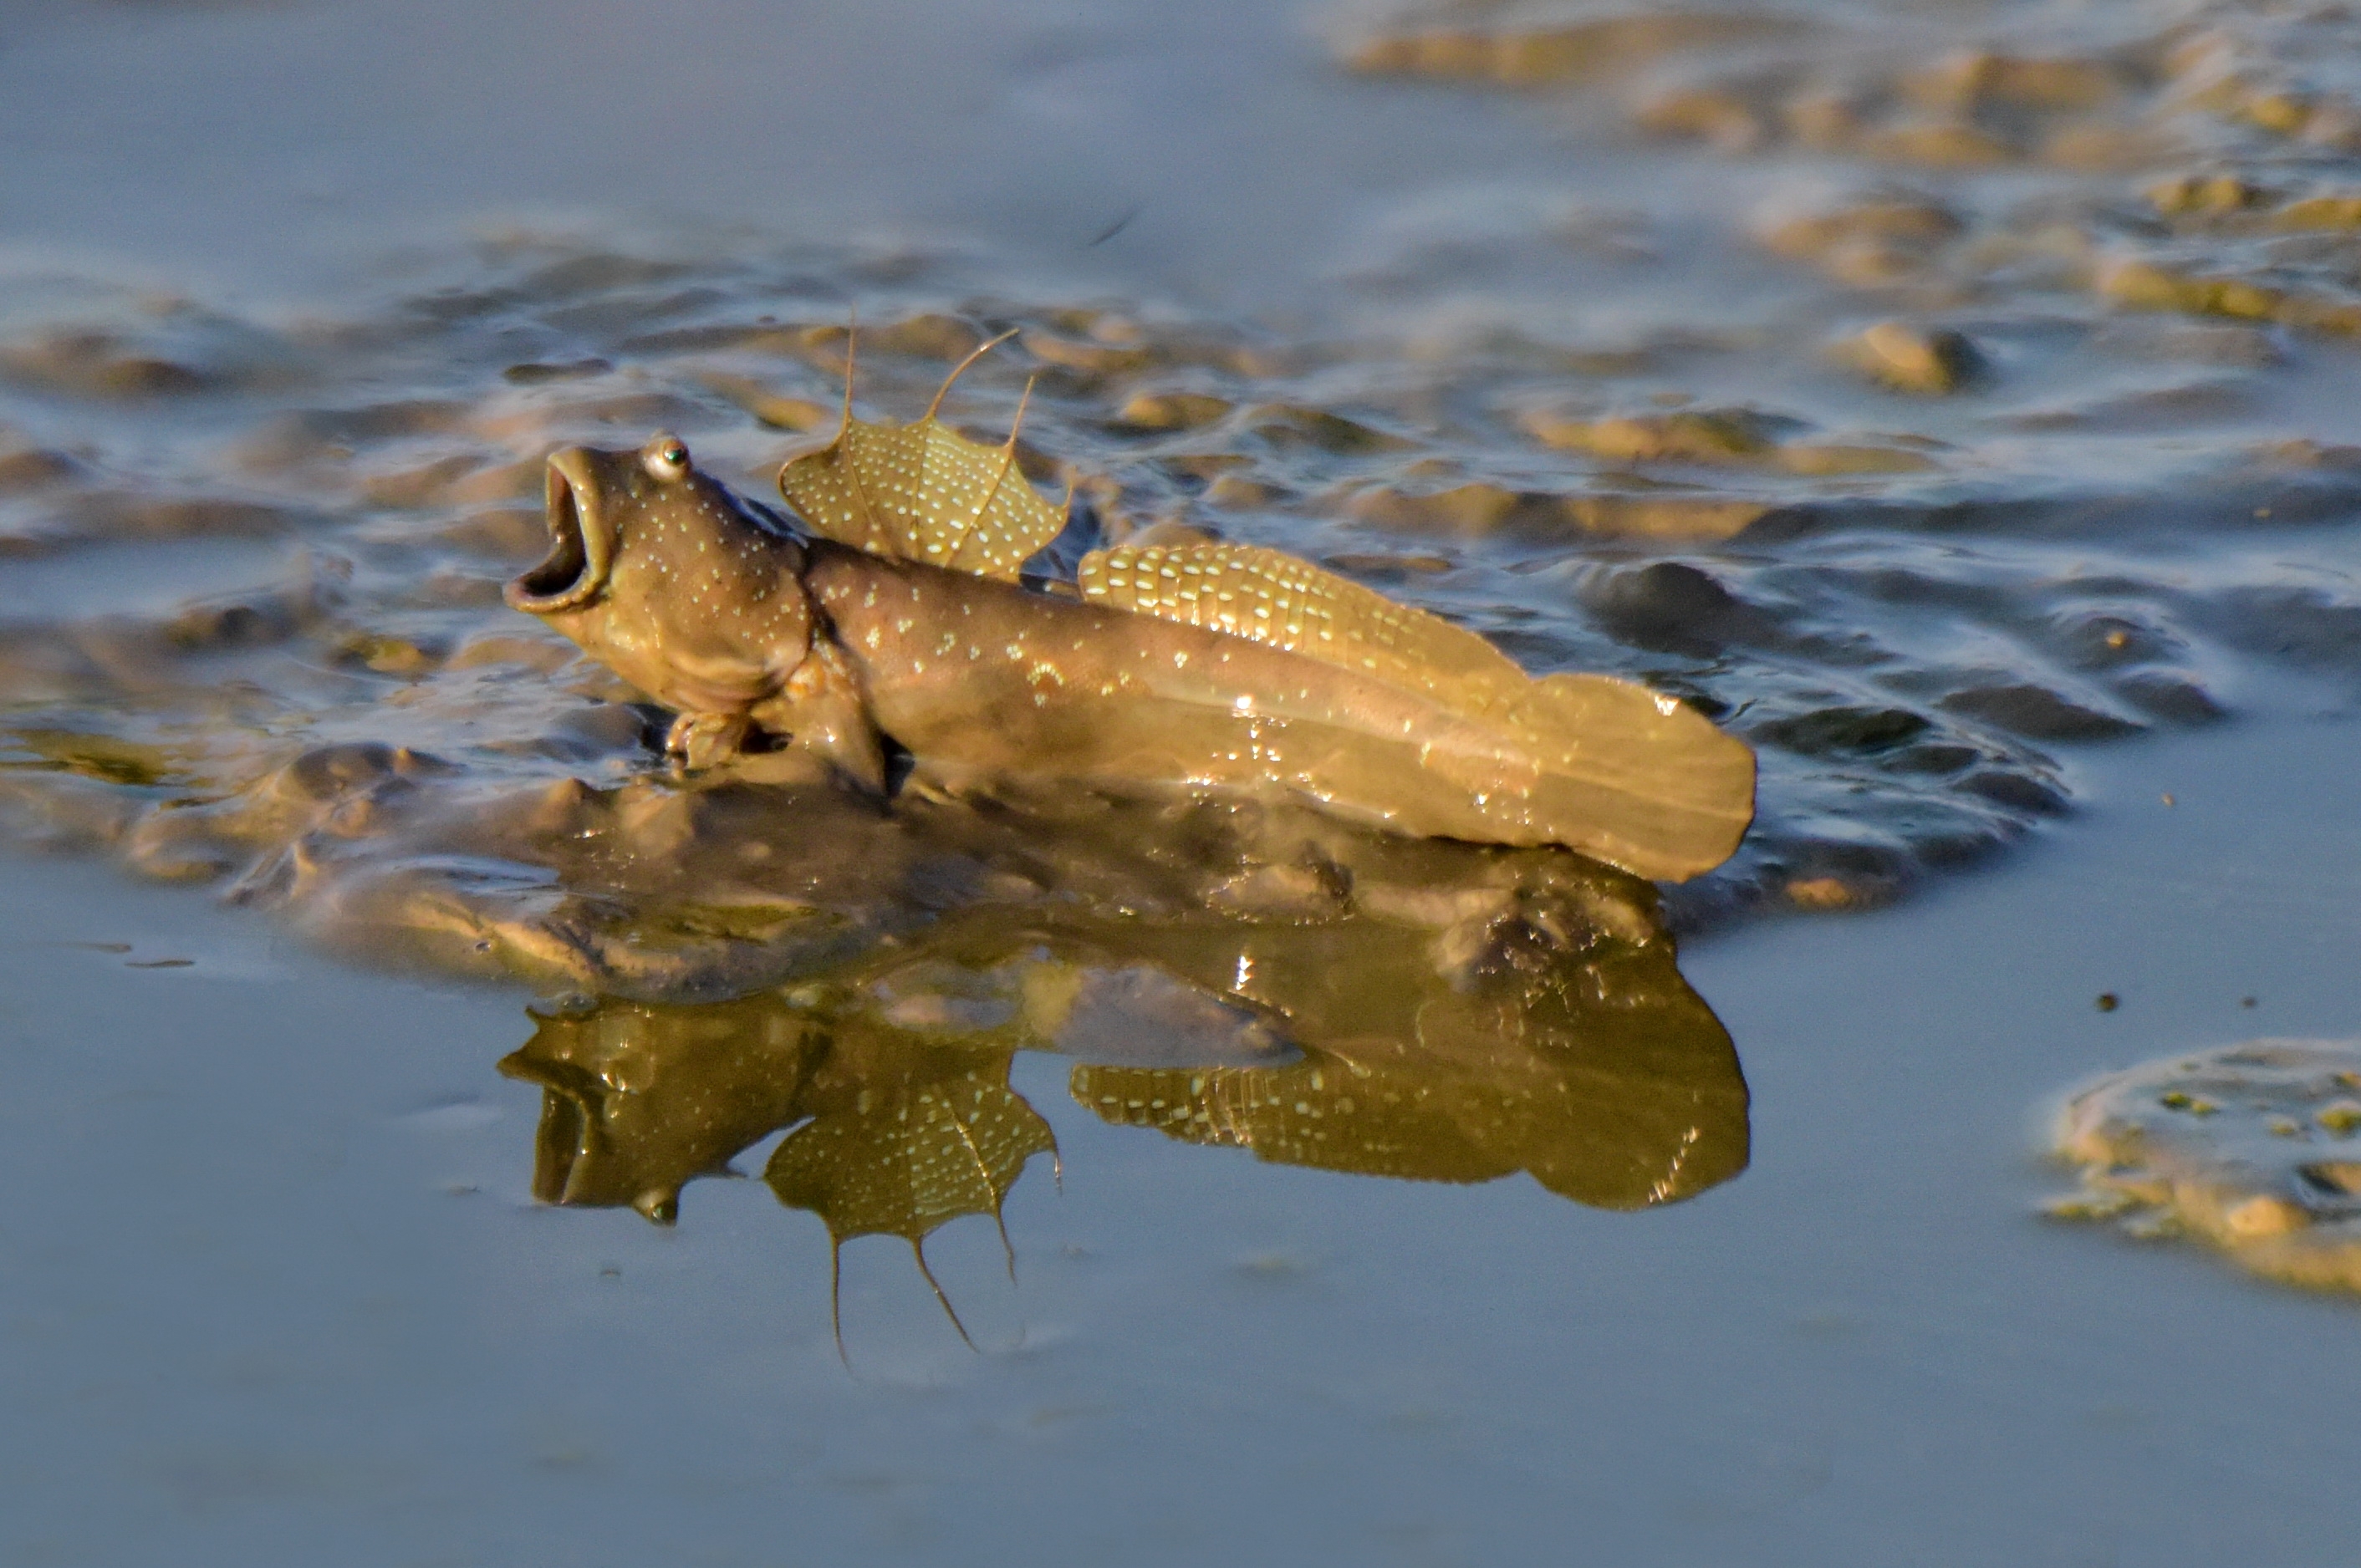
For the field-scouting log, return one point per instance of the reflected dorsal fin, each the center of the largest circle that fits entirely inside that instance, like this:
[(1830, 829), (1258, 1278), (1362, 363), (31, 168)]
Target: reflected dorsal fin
[(907, 1158)]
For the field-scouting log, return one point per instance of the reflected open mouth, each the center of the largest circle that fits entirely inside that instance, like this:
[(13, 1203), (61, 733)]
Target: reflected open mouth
[(575, 566)]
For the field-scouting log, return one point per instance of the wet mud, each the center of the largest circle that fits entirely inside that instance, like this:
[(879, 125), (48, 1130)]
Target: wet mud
[(2247, 1148), (1924, 399), (255, 632)]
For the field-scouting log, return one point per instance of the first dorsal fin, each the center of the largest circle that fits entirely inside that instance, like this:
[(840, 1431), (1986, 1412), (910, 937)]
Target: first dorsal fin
[(1278, 599), (923, 492)]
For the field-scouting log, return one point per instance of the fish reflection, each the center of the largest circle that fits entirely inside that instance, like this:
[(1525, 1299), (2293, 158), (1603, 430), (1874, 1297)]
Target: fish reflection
[(1448, 1030), (1622, 1101), (906, 1143), (637, 1102)]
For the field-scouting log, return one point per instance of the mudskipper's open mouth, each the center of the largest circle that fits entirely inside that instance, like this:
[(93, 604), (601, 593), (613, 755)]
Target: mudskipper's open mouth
[(576, 568)]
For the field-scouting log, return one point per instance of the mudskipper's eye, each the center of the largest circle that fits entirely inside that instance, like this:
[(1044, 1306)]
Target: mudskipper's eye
[(666, 457)]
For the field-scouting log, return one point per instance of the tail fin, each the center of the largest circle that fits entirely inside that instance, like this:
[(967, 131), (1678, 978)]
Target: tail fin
[(1672, 792)]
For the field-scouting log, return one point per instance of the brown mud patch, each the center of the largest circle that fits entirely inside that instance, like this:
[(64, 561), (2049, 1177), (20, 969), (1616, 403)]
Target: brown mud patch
[(2248, 1148)]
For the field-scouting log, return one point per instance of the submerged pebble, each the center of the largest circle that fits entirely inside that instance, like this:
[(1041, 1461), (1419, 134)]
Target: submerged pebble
[(1913, 359)]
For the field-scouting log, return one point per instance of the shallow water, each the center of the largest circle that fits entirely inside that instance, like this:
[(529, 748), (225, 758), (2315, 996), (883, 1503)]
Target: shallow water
[(1954, 402), (278, 1287)]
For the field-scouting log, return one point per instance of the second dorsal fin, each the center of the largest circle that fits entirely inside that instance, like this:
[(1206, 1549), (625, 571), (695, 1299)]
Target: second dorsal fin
[(1278, 599)]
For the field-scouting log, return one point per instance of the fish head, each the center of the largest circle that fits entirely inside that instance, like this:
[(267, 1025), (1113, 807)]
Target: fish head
[(652, 561)]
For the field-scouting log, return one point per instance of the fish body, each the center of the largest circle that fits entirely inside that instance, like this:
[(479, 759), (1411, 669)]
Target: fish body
[(985, 680), (1392, 717)]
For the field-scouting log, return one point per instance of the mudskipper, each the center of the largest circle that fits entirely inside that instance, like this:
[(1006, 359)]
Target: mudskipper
[(891, 615)]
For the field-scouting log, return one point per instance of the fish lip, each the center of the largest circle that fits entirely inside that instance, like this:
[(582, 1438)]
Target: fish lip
[(580, 544)]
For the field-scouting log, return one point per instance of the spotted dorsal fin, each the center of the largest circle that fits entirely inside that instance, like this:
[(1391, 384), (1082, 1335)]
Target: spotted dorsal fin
[(1288, 603), (923, 492)]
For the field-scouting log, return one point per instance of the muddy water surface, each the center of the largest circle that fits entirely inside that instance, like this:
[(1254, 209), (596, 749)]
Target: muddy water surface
[(1955, 403)]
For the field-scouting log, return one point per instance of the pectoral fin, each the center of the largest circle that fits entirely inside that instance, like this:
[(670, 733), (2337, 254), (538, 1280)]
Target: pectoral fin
[(700, 741), (823, 713)]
